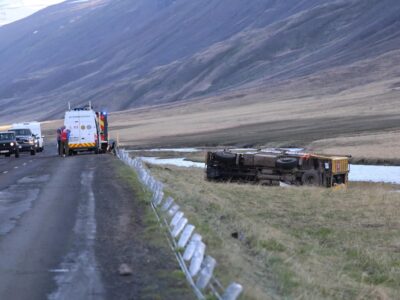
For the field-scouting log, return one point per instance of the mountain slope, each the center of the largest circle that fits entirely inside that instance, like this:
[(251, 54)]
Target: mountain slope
[(122, 53)]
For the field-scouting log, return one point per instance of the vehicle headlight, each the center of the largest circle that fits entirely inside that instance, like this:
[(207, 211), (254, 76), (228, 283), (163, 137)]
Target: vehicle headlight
[(31, 141), (11, 144)]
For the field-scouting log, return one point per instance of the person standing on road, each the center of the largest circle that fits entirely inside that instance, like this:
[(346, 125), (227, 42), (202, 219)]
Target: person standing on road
[(64, 141), (59, 141)]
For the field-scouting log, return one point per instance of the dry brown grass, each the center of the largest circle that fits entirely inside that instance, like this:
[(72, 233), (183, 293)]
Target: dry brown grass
[(378, 147), (361, 121), (296, 243), (292, 117)]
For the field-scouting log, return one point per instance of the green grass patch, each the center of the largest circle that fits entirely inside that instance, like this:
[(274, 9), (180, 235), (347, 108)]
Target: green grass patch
[(287, 243), (165, 278)]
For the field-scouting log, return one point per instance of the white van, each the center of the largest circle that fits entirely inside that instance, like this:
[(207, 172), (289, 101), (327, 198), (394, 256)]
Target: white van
[(83, 127), (36, 131)]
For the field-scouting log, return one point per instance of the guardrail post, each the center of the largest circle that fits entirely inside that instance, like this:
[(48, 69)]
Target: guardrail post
[(187, 232), (179, 227), (197, 258), (167, 204), (187, 255), (232, 292), (172, 211), (178, 216), (206, 273)]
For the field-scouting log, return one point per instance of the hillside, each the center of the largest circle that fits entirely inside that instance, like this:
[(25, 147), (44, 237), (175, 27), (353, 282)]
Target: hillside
[(123, 54)]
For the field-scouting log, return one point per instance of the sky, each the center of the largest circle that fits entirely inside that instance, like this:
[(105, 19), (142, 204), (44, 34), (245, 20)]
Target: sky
[(13, 10)]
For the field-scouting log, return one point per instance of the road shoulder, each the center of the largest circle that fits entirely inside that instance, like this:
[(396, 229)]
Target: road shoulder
[(128, 233)]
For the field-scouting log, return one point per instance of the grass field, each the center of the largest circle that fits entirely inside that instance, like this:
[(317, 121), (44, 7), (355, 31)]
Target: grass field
[(296, 243), (373, 148)]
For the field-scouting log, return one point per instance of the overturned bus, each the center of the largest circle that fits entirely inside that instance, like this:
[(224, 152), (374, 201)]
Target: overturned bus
[(272, 166)]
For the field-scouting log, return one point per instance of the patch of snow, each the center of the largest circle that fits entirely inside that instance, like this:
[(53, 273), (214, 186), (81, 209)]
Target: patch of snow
[(179, 162), (280, 150), (244, 149), (79, 1), (386, 174), (181, 150)]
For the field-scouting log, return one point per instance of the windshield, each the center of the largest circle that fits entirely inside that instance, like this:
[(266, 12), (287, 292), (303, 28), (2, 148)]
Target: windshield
[(22, 131), (7, 136)]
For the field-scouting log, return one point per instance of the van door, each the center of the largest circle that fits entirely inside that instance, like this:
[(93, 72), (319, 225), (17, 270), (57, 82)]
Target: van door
[(73, 124), (87, 129)]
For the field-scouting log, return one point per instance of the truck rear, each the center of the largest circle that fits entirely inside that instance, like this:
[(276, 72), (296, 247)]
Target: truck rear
[(84, 130)]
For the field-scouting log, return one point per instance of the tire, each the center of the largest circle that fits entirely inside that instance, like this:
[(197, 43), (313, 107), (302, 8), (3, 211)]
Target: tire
[(33, 152), (224, 156), (286, 163), (8, 155), (311, 178)]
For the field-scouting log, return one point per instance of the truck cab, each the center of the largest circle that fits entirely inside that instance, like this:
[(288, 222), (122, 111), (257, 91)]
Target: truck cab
[(333, 170)]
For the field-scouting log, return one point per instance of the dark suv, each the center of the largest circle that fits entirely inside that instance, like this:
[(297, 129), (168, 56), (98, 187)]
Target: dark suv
[(26, 140), (8, 144)]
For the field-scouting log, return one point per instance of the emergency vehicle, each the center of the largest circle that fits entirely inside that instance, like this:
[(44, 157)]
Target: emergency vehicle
[(102, 118), (88, 130)]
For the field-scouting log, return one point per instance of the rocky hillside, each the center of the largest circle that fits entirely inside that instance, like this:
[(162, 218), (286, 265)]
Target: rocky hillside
[(121, 54)]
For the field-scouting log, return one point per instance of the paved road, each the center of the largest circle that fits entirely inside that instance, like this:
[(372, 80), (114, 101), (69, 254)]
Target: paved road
[(66, 224)]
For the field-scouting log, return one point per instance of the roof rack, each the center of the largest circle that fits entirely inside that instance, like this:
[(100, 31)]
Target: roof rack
[(86, 107)]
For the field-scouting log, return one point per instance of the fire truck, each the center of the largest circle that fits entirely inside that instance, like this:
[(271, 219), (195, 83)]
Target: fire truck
[(102, 118)]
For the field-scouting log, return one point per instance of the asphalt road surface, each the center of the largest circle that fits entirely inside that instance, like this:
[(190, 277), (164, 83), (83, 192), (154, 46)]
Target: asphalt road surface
[(66, 225)]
